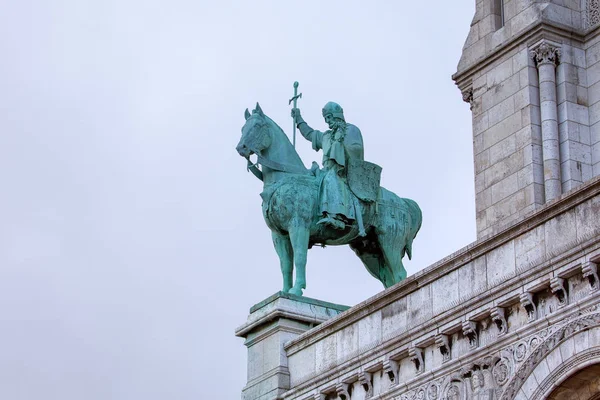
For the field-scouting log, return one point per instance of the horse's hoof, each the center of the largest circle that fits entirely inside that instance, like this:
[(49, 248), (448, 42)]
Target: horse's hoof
[(296, 291)]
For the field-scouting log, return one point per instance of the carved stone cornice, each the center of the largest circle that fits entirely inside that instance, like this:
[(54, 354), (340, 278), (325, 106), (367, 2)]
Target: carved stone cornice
[(443, 344), (545, 53), (467, 96), (558, 287), (526, 300), (590, 271), (469, 329), (366, 380), (416, 356), (391, 367), (498, 315), (342, 391)]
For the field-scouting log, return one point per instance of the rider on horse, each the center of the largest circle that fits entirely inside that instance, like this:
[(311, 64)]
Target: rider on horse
[(341, 145)]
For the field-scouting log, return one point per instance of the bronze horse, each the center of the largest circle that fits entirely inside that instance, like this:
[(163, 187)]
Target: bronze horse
[(290, 203)]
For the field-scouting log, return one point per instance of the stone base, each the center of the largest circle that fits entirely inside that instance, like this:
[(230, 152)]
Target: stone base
[(272, 323)]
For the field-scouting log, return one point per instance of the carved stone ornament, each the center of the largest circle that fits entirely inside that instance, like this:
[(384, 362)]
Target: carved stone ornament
[(557, 286), (528, 304), (552, 338), (545, 53), (390, 367), (467, 96), (366, 381), (501, 371), (498, 315), (469, 329), (443, 344), (453, 392), (342, 390), (590, 271), (433, 391), (416, 356), (593, 13)]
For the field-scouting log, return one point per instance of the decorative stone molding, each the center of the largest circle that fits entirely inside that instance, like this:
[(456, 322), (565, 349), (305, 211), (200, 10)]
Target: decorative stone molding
[(498, 315), (551, 338), (433, 391), (391, 367), (545, 53), (416, 356), (443, 344), (590, 271), (469, 329), (557, 286), (588, 356), (320, 396), (467, 97), (592, 15), (342, 390), (528, 304), (366, 381)]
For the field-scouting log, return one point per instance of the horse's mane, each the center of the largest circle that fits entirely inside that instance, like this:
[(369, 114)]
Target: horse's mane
[(284, 147), (274, 124)]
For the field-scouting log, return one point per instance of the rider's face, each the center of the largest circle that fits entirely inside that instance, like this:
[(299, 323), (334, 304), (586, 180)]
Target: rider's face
[(329, 120)]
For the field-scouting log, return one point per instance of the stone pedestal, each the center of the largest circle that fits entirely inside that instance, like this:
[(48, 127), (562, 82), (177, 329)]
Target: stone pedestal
[(271, 323)]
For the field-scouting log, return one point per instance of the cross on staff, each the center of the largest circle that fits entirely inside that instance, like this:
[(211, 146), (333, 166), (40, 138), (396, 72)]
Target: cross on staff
[(295, 99)]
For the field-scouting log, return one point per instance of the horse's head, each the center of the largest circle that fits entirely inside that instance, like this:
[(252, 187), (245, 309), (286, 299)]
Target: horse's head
[(256, 134)]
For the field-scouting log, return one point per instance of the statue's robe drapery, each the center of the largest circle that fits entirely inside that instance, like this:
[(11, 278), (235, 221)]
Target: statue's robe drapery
[(335, 195)]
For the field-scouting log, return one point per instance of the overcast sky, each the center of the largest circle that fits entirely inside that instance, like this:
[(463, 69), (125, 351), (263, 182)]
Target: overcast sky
[(131, 237)]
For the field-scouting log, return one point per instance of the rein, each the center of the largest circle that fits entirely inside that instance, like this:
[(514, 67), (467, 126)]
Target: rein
[(292, 169)]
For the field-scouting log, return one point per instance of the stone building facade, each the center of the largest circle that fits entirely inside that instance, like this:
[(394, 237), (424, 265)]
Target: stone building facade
[(514, 315)]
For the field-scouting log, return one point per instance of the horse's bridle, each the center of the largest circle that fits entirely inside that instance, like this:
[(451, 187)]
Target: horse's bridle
[(274, 165)]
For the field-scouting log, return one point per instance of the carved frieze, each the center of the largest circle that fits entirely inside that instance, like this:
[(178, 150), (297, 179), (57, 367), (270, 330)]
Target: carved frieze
[(592, 13)]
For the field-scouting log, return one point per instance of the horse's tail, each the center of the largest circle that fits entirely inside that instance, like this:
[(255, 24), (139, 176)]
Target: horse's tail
[(411, 218), (413, 221)]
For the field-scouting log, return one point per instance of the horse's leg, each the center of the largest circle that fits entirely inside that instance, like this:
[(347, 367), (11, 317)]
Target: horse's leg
[(374, 263), (283, 247), (392, 250), (299, 237)]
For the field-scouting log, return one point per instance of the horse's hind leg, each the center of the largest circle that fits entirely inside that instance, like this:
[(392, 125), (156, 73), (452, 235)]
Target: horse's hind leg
[(375, 264), (299, 238), (392, 250), (283, 247)]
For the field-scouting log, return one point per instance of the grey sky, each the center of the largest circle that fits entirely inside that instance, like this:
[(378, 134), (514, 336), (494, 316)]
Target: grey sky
[(131, 238)]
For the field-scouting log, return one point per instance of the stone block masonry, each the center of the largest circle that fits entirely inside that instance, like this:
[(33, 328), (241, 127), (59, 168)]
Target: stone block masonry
[(532, 84)]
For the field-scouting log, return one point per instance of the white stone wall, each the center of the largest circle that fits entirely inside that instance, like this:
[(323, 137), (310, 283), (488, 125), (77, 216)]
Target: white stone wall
[(520, 161), (592, 56), (573, 117), (481, 303), (507, 140)]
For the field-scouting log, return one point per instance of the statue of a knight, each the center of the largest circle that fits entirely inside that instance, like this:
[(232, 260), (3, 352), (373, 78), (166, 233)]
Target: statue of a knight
[(342, 147)]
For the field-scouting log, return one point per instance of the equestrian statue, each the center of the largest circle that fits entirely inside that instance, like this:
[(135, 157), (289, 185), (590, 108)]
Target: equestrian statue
[(342, 203)]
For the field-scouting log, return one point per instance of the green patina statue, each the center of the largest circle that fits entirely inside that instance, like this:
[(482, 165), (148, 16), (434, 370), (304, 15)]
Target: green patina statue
[(339, 204)]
